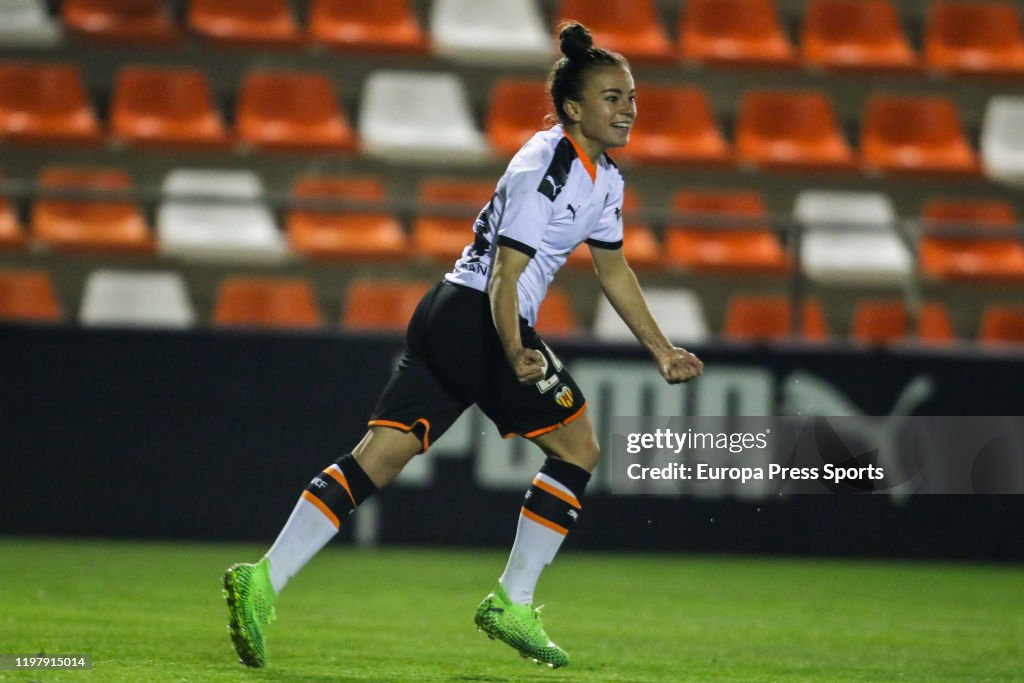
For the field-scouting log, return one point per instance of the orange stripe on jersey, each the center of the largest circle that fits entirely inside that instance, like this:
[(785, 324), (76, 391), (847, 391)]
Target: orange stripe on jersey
[(557, 493), (534, 517), (334, 473), (322, 508), (587, 163)]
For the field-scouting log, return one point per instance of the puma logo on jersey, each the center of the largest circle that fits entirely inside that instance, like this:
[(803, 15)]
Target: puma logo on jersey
[(574, 209), (555, 187)]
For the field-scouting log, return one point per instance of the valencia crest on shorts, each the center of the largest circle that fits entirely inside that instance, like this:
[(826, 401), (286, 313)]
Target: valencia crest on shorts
[(563, 396)]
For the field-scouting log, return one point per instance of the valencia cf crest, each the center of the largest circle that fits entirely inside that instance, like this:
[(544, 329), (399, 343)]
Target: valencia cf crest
[(563, 396)]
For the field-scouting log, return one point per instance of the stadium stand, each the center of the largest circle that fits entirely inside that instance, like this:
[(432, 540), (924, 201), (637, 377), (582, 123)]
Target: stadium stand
[(1002, 324), (768, 318), (28, 295), (741, 33), (555, 318), (252, 24), (381, 304), (971, 240), (677, 128), (517, 110), (27, 23), (632, 28), (291, 111), (131, 298), (878, 322), (498, 32), (266, 302), (339, 233), (448, 208), (96, 223), (679, 311), (386, 26), (1002, 140), (120, 22), (974, 38), (12, 237), (857, 35), (45, 104)]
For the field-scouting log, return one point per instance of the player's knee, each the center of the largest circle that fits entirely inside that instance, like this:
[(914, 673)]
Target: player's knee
[(583, 452)]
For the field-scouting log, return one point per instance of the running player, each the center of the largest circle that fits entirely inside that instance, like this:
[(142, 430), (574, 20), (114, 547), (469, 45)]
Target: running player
[(471, 340)]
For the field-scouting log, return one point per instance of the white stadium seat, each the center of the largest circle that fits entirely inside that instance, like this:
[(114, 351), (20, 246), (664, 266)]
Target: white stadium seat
[(136, 299), (492, 32), (1002, 140), (851, 238), (217, 214), (419, 117), (678, 312), (27, 23)]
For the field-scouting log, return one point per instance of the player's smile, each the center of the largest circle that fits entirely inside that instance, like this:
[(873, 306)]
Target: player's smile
[(607, 110)]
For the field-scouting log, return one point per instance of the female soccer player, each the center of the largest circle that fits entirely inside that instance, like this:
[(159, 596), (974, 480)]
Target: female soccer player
[(471, 340)]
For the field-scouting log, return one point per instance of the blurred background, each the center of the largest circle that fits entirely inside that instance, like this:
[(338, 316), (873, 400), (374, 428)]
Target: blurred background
[(216, 217)]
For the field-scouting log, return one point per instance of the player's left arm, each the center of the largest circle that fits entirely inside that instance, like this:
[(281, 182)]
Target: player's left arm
[(623, 292)]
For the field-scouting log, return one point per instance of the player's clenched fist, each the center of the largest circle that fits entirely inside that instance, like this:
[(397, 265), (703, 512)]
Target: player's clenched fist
[(529, 365), (679, 365)]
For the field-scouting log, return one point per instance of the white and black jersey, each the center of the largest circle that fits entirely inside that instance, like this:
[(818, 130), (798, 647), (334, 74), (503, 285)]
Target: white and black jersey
[(549, 201)]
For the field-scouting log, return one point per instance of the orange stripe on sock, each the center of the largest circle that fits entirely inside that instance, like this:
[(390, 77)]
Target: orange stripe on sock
[(534, 517), (557, 493), (306, 495), (335, 473)]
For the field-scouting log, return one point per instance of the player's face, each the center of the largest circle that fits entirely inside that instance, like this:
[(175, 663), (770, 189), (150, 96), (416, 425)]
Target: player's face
[(607, 110)]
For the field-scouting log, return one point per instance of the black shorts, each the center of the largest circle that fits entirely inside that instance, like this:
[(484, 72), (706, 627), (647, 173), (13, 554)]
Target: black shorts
[(453, 358)]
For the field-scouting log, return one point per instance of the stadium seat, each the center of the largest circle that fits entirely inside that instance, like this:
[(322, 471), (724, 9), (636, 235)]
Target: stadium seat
[(886, 321), (120, 22), (974, 38), (677, 127), (517, 110), (266, 303), (851, 238), (344, 233), (166, 108), (11, 235), (994, 253), (639, 245), (790, 130), (734, 33), (387, 26), (381, 304), (855, 35), (767, 318), (555, 318), (678, 312), (291, 112), (28, 295), (723, 232), (915, 134), (250, 24), (1002, 140), (1002, 324), (216, 214), (496, 32), (45, 104), (448, 208), (419, 117), (27, 23), (99, 223), (632, 28), (128, 298)]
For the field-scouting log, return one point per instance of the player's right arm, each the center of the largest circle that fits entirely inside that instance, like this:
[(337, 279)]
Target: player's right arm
[(502, 289)]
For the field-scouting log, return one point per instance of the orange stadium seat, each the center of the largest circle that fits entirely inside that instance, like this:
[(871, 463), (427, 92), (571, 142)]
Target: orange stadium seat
[(734, 32), (975, 38), (884, 322), (89, 224), (677, 127), (45, 104), (764, 318), (292, 112), (915, 134), (366, 25), (555, 316), (344, 233), (994, 254), (517, 110), (448, 209), (632, 28), (639, 245), (28, 295), (790, 130), (1002, 324), (121, 22), (266, 303), (166, 108), (11, 235), (723, 232), (254, 23), (381, 304), (857, 35)]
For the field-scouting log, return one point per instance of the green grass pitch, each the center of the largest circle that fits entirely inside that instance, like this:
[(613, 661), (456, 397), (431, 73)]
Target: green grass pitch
[(153, 612)]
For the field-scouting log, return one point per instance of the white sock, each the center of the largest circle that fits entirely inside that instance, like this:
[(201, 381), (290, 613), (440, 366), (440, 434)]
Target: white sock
[(304, 534), (535, 547)]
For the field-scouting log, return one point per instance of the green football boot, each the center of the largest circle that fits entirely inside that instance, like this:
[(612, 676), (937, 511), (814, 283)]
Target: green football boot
[(250, 598), (520, 627)]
